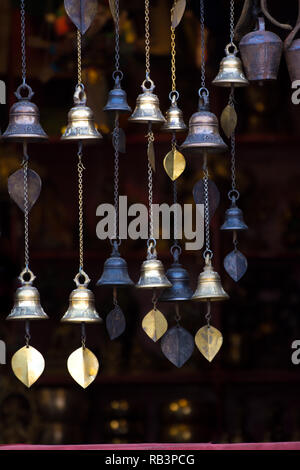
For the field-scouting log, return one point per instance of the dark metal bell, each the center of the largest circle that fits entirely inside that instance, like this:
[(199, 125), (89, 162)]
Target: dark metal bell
[(115, 271), (180, 290), (24, 119), (117, 99), (234, 219), (292, 57)]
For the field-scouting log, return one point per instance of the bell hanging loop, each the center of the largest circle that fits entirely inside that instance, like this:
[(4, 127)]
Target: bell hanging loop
[(81, 303), (174, 116), (81, 124), (115, 271), (117, 97), (147, 106), (24, 118), (234, 219), (209, 286), (231, 70)]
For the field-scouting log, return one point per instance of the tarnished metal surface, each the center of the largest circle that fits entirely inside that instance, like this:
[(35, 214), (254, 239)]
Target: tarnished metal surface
[(115, 322), (81, 12), (16, 188), (235, 264), (177, 345)]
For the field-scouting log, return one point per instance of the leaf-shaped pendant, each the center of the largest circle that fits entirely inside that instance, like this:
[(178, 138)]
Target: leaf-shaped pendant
[(177, 345), (83, 366), (81, 13), (28, 365), (16, 188), (228, 120), (151, 155), (121, 141), (209, 341), (174, 164), (112, 7), (213, 195), (155, 324), (235, 264), (115, 323), (178, 12)]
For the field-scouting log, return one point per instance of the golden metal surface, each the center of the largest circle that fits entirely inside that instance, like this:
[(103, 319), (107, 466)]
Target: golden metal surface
[(228, 120), (28, 365), (209, 285), (209, 341), (155, 324), (147, 106), (83, 366), (231, 70), (174, 164), (153, 275)]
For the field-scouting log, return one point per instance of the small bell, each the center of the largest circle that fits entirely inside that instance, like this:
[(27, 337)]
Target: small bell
[(81, 125), (234, 218), (209, 285), (203, 133), (179, 278), (27, 304), (81, 303), (174, 117), (147, 106), (152, 271), (231, 70), (24, 119), (117, 98), (115, 271)]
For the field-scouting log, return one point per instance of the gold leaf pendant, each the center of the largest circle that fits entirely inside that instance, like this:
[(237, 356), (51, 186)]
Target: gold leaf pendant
[(83, 366), (155, 324), (174, 164), (209, 341), (28, 365), (228, 120)]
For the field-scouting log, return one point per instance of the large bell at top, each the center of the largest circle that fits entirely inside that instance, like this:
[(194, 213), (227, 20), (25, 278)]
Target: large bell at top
[(234, 219), (209, 286), (24, 119), (147, 106), (203, 133), (174, 117), (81, 303), (115, 271), (117, 98), (231, 70), (81, 125), (27, 304)]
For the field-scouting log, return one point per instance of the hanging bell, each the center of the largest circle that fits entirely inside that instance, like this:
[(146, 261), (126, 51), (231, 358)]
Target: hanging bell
[(147, 106), (81, 303), (231, 70), (174, 117), (292, 57), (27, 304), (203, 133), (152, 271), (179, 278), (115, 271), (24, 119), (81, 125), (234, 218), (261, 52), (209, 285), (117, 98)]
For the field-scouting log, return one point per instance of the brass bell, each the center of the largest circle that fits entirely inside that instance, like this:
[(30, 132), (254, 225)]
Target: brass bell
[(231, 70), (81, 303), (203, 133), (209, 286), (81, 125), (115, 271), (234, 218), (24, 119), (147, 106), (179, 278), (152, 271), (174, 117), (27, 304), (117, 98)]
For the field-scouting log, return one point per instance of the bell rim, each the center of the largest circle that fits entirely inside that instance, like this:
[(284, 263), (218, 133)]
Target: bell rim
[(115, 284), (196, 148), (217, 298), (27, 137), (10, 317), (143, 120), (78, 138), (81, 320), (227, 83), (153, 286)]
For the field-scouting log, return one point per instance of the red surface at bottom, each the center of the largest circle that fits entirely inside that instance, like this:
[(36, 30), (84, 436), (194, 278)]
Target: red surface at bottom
[(175, 447)]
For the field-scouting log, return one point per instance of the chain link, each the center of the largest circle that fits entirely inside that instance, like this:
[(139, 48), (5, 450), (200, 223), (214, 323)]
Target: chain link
[(79, 65), (173, 51), (116, 137), (147, 39), (80, 168), (231, 21), (27, 333), (208, 313), (232, 146), (23, 40), (206, 205), (202, 46), (83, 335), (177, 314), (117, 36), (150, 137), (26, 207)]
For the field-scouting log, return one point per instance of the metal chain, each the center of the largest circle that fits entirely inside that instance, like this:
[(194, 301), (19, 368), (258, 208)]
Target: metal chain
[(232, 146), (206, 208), (26, 207), (154, 299), (174, 145), (208, 314), (150, 137), (116, 137), (202, 31), (27, 333), (117, 36), (83, 335), (173, 51), (23, 40), (80, 168), (147, 39), (231, 21), (79, 65), (177, 314)]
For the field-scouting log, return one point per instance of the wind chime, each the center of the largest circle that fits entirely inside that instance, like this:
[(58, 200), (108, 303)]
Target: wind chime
[(204, 137), (231, 75), (24, 188), (177, 343), (152, 271), (115, 273), (82, 363)]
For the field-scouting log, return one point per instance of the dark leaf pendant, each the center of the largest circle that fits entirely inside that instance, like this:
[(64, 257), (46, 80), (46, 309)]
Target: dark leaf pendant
[(16, 188), (177, 345), (81, 13), (235, 265), (115, 323), (213, 195)]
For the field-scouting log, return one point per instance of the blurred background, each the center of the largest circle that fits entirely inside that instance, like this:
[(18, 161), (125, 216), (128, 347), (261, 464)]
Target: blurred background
[(251, 390)]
